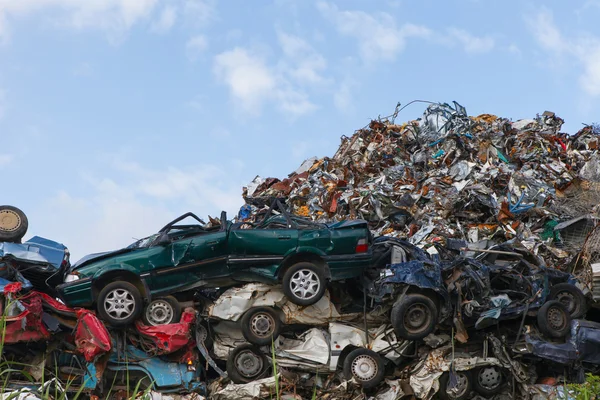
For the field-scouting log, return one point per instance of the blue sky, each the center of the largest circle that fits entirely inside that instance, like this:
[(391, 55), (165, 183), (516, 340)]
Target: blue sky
[(118, 115)]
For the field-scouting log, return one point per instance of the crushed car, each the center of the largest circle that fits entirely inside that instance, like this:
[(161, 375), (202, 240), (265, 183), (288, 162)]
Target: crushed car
[(505, 282), (301, 254)]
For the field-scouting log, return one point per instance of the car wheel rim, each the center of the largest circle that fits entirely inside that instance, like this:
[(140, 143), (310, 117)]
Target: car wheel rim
[(248, 364), (159, 312), (462, 385), (416, 318), (9, 221), (364, 368), (305, 284), (556, 318), (567, 300), (119, 304), (489, 378), (262, 325)]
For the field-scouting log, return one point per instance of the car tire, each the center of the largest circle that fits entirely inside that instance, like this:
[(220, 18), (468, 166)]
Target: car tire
[(304, 283), (414, 317), (246, 363), (123, 295), (203, 335), (465, 383), (488, 380), (571, 297), (162, 311), (261, 325), (553, 319), (13, 224), (365, 366)]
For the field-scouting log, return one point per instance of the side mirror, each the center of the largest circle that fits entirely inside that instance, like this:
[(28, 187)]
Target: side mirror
[(163, 239)]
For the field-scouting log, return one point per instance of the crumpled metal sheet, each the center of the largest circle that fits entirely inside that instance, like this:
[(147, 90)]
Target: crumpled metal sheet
[(260, 389), (232, 304), (35, 250), (172, 337), (91, 337)]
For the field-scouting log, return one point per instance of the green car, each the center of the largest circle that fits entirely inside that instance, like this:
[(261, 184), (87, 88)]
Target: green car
[(164, 269)]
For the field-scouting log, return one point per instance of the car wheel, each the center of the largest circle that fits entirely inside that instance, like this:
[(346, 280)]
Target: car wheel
[(554, 319), (304, 283), (488, 380), (203, 335), (119, 303), (462, 389), (365, 366), (414, 317), (246, 363), (261, 325), (571, 297), (162, 311), (13, 224)]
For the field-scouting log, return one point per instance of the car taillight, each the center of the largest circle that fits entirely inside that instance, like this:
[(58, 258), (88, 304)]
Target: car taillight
[(362, 246)]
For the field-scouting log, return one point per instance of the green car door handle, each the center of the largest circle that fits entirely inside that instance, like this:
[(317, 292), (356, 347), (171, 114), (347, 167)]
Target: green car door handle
[(284, 237), (212, 242)]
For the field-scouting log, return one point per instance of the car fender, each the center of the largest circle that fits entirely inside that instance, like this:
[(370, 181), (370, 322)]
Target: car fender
[(115, 267)]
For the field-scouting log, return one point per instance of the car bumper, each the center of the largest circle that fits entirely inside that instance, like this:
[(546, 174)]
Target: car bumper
[(343, 267), (77, 293)]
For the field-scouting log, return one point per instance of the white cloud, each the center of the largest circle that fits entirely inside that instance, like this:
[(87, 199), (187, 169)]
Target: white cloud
[(200, 12), (514, 49), (378, 36), (249, 79), (6, 159), (131, 201), (252, 83), (582, 51), (304, 64), (113, 16), (195, 46), (470, 43), (167, 19), (342, 98)]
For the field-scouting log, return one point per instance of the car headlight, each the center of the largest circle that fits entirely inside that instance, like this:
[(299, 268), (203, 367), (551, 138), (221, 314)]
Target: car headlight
[(71, 278)]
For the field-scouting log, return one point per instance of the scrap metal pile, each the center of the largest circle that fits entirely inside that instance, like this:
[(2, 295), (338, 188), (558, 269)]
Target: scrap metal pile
[(450, 257)]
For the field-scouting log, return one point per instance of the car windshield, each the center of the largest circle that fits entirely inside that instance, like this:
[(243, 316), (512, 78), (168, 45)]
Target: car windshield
[(145, 242)]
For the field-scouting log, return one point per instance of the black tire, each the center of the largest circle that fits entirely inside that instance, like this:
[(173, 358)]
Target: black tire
[(365, 366), (13, 224), (162, 311), (246, 363), (488, 380), (301, 277), (261, 325), (204, 334), (571, 297), (414, 317), (465, 384), (111, 295), (553, 319)]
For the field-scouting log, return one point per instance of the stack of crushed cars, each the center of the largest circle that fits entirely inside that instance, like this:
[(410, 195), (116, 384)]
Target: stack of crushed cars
[(450, 257)]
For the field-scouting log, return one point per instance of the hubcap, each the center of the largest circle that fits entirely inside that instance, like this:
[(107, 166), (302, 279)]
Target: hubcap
[(119, 304), (364, 368), (460, 388), (305, 284), (159, 312), (9, 221), (490, 377), (416, 318), (567, 300), (556, 318), (262, 325), (248, 364)]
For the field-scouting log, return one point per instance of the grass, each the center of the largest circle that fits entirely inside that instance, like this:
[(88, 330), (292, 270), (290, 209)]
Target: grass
[(51, 389)]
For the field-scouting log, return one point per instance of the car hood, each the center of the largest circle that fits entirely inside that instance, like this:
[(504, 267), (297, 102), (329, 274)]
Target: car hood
[(92, 258), (36, 250)]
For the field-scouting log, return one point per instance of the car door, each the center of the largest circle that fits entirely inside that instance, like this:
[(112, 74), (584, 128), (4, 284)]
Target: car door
[(262, 246), (190, 261), (314, 236)]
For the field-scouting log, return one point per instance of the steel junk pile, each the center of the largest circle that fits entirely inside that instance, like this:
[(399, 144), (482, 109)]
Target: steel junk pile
[(450, 257)]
